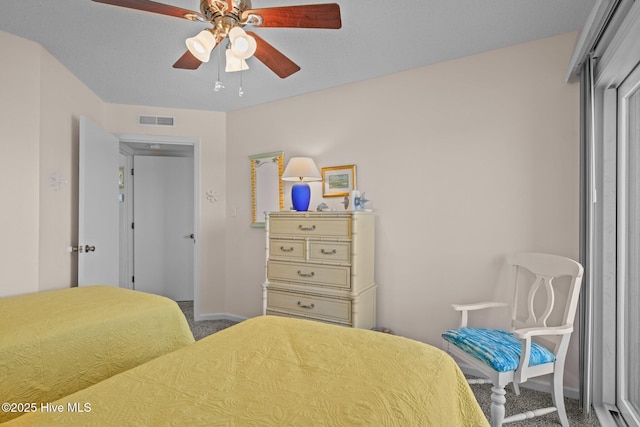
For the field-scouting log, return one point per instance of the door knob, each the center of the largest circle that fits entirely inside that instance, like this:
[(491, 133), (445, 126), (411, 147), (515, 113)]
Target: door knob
[(79, 249)]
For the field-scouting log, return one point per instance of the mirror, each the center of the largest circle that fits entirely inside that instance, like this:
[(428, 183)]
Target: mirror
[(267, 187)]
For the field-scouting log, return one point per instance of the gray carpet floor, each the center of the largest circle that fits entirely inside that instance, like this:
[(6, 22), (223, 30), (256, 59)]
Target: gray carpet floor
[(526, 401), (202, 328), (529, 400)]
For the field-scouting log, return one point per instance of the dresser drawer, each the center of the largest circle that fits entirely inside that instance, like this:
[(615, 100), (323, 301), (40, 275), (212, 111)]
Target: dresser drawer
[(287, 249), (307, 305), (338, 252), (300, 316), (324, 227), (335, 276)]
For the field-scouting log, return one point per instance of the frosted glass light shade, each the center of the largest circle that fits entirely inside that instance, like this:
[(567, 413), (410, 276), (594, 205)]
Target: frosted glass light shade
[(234, 63), (243, 45), (201, 45), (301, 169)]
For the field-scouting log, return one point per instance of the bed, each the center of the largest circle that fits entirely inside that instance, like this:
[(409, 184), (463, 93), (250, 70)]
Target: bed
[(276, 371), (55, 343)]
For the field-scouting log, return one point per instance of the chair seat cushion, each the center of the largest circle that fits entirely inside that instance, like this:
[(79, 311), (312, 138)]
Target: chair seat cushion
[(498, 349)]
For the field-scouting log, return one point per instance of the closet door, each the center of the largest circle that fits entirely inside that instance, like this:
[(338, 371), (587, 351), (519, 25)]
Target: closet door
[(163, 232), (628, 318)]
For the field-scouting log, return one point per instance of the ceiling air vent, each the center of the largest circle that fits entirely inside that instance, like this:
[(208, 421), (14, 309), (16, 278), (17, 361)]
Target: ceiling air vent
[(144, 120)]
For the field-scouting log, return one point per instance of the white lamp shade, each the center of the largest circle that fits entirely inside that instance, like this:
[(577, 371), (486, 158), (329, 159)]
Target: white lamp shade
[(201, 45), (234, 63), (301, 169), (242, 44)]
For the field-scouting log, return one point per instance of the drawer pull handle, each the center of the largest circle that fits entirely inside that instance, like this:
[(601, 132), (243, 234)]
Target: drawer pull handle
[(301, 274), (323, 251), (310, 306), (283, 249), (303, 228)]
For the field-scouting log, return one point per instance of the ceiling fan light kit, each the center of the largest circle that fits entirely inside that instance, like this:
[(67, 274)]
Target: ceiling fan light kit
[(243, 45), (201, 45), (227, 19)]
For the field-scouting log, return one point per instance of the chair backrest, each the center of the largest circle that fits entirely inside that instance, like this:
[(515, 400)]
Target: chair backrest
[(552, 280)]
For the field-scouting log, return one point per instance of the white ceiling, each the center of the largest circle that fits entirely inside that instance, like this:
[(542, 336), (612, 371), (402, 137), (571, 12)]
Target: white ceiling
[(125, 56)]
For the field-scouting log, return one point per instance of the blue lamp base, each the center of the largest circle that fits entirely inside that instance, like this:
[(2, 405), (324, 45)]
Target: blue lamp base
[(300, 196)]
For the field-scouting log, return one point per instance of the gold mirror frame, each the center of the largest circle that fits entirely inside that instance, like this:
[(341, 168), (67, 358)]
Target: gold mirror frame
[(267, 187)]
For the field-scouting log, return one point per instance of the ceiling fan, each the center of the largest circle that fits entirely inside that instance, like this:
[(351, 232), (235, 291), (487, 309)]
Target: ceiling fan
[(229, 17)]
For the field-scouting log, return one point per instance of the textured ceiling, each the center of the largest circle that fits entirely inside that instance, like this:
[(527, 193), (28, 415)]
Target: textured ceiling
[(126, 56)]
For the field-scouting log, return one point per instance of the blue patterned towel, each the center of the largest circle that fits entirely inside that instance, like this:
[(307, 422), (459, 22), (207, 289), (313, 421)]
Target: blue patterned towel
[(496, 348)]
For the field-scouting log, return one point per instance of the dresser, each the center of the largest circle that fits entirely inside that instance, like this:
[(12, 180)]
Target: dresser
[(320, 266)]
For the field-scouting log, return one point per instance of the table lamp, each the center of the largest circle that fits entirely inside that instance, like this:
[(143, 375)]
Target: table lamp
[(301, 170)]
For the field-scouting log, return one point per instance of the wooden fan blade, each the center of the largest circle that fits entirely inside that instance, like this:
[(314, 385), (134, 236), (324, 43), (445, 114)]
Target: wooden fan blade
[(304, 16), (275, 60), (152, 6), (187, 62)]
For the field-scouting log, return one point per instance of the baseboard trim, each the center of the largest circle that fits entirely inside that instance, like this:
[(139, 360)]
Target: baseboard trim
[(532, 384), (221, 316)]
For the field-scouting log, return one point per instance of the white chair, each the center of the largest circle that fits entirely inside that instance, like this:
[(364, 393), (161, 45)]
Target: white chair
[(539, 337)]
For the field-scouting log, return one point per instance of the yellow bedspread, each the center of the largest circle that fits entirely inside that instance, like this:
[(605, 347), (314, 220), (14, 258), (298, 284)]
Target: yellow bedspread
[(58, 342), (272, 371)]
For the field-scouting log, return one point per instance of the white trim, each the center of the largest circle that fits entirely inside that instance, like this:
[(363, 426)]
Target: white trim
[(222, 316), (160, 139), (604, 341), (586, 38), (626, 90), (197, 250), (623, 150), (622, 53), (126, 258)]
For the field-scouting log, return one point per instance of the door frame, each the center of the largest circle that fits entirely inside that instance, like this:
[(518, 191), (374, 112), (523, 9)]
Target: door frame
[(195, 143), (629, 87)]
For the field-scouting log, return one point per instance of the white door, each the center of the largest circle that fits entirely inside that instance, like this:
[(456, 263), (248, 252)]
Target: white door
[(98, 214), (163, 226)]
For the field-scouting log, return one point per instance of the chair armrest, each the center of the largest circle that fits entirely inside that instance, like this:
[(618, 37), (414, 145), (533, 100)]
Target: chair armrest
[(464, 309), (532, 332), (525, 334), (478, 306)]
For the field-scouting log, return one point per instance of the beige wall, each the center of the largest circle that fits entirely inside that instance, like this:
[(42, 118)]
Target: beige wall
[(40, 106), (19, 136), (63, 100), (40, 140), (464, 162)]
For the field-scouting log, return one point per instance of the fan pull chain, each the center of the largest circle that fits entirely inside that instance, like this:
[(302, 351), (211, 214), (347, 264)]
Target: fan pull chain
[(218, 86), (240, 91)]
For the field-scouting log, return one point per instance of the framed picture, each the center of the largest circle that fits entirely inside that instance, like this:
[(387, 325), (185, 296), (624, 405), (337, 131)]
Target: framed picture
[(338, 180), (267, 187)]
